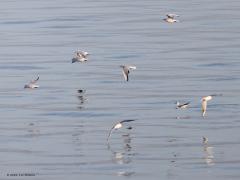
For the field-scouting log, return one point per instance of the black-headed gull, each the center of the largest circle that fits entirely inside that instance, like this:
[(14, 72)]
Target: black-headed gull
[(204, 100), (32, 84), (126, 70), (171, 18), (80, 56), (182, 106), (118, 126)]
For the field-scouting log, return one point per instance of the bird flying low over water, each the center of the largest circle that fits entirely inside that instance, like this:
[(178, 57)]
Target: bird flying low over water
[(32, 84), (205, 140), (80, 56), (126, 70), (171, 18), (118, 126), (182, 106), (204, 100)]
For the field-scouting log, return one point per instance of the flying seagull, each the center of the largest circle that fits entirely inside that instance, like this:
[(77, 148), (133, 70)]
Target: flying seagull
[(126, 70), (171, 18), (32, 84), (118, 126), (204, 100), (205, 140), (80, 56), (182, 106)]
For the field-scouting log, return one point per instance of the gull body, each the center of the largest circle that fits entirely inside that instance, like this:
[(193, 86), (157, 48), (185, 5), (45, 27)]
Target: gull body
[(118, 126), (32, 84), (126, 70), (182, 106), (204, 100), (171, 18), (80, 56)]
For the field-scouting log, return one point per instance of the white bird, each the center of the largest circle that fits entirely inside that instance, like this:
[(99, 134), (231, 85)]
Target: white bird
[(170, 18), (32, 84), (118, 126), (126, 70), (80, 56), (204, 100), (182, 106)]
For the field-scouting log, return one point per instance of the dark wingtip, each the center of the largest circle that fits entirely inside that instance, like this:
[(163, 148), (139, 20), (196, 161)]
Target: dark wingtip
[(128, 120)]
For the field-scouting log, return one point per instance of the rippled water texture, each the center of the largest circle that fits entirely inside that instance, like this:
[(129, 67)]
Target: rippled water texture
[(55, 132)]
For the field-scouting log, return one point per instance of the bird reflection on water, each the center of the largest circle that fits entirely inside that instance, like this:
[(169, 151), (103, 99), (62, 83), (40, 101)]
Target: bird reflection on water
[(33, 130), (82, 98), (208, 152), (122, 154)]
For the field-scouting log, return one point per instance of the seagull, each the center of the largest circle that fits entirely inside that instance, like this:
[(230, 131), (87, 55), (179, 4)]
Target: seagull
[(118, 126), (182, 106), (80, 91), (126, 70), (170, 18), (205, 140), (204, 100), (32, 84), (80, 56)]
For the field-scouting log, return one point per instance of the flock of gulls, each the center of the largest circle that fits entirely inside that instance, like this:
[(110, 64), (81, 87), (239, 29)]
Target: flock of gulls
[(82, 56)]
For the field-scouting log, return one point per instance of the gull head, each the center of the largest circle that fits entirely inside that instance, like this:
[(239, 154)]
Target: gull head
[(206, 98)]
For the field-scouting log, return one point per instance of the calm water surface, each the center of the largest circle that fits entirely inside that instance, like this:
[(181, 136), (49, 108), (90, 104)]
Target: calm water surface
[(56, 133)]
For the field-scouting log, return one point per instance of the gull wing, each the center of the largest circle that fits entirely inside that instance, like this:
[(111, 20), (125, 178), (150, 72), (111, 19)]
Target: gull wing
[(204, 107), (127, 120), (115, 126), (34, 81), (125, 72), (110, 132), (74, 60), (132, 67), (171, 15), (187, 103)]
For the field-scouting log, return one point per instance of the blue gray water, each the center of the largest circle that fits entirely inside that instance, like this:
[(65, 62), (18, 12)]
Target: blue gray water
[(56, 133)]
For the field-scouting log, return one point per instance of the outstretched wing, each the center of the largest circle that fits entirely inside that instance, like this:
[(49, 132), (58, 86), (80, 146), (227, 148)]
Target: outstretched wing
[(110, 132), (186, 103), (171, 15), (125, 72), (74, 60), (204, 107), (132, 67), (127, 120), (34, 81)]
